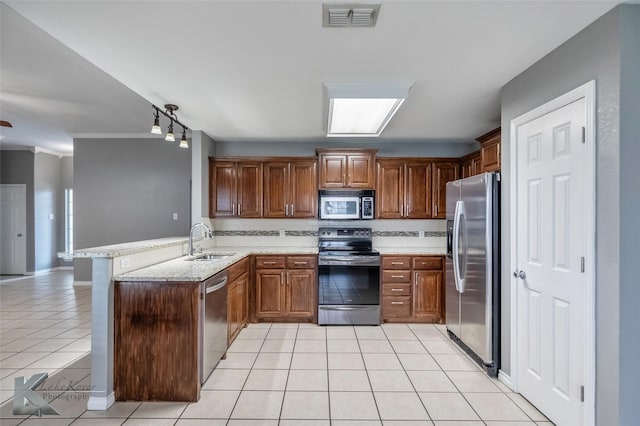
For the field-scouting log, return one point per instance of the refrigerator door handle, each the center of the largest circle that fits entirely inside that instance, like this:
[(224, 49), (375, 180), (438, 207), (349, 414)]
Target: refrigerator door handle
[(458, 217)]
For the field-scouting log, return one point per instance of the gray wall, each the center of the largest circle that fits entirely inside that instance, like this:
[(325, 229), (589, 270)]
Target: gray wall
[(47, 191), (387, 149), (629, 212), (595, 53), (127, 190), (16, 167)]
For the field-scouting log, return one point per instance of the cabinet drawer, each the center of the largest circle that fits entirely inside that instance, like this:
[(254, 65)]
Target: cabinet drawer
[(396, 262), (427, 262), (301, 262), (396, 306), (237, 269), (393, 289), (396, 276), (269, 262)]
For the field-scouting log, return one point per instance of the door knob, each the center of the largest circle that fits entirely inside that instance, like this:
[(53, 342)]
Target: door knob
[(520, 274), (19, 235)]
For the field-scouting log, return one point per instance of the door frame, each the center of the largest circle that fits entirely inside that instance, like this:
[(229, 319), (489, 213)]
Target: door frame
[(587, 92), (23, 187)]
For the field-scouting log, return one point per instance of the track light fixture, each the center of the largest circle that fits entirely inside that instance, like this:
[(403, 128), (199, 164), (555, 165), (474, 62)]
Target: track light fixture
[(170, 113)]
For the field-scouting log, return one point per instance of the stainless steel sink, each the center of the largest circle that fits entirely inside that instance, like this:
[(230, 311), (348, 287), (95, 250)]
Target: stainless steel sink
[(211, 257)]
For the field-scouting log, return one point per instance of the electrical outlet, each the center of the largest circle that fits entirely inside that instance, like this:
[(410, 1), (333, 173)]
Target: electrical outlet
[(420, 234), (51, 216), (125, 263), (282, 232), (175, 216)]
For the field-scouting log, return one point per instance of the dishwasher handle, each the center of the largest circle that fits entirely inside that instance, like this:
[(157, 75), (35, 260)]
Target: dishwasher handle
[(216, 285)]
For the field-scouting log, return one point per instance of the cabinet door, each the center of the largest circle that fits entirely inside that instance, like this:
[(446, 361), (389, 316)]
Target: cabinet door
[(442, 173), (276, 178), (249, 196), (490, 156), (243, 302), (304, 189), (300, 295), (270, 293), (333, 170), (418, 190), (233, 311), (360, 171), (222, 188), (427, 295), (390, 189)]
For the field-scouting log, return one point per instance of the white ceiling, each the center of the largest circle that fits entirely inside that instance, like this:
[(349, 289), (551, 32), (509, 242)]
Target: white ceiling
[(254, 70)]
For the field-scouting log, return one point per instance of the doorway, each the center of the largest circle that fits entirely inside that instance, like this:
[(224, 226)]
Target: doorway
[(13, 229), (552, 256)]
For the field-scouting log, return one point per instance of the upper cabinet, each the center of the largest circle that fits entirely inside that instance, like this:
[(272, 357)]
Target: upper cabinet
[(235, 188), (403, 189), (490, 151), (470, 164), (443, 172), (290, 188), (352, 168)]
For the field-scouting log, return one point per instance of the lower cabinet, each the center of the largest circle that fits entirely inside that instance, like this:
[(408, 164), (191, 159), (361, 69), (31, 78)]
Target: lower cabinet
[(156, 341), (237, 298), (285, 288), (412, 289)]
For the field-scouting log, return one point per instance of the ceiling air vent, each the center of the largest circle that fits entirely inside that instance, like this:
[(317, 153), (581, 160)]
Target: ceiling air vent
[(350, 15)]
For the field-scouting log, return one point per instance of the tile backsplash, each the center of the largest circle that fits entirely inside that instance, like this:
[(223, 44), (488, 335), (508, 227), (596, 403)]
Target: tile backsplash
[(304, 232)]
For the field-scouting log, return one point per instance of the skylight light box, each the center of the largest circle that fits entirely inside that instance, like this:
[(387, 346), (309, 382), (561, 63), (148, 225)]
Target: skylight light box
[(363, 109)]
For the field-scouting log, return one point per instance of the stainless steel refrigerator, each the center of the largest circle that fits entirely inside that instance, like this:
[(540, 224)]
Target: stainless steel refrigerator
[(473, 267)]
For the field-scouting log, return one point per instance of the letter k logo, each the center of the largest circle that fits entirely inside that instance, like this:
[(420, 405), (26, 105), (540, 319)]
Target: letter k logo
[(24, 393)]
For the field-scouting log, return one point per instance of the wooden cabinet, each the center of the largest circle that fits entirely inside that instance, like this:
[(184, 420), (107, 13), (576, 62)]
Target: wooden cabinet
[(290, 189), (403, 189), (490, 151), (412, 289), (353, 168), (470, 164), (443, 172), (235, 188), (285, 288), (156, 341), (237, 298)]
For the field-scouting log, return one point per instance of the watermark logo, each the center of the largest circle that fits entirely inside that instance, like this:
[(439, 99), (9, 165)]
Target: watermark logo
[(26, 401)]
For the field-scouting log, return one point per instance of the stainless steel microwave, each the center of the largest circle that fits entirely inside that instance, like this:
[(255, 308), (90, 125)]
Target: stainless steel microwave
[(345, 204)]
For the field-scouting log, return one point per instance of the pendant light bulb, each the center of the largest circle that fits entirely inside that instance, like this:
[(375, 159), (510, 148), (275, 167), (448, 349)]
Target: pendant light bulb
[(156, 130), (183, 140), (170, 136)]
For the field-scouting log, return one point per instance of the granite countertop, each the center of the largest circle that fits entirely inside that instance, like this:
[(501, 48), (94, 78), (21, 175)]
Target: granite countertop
[(126, 249), (182, 269), (412, 250)]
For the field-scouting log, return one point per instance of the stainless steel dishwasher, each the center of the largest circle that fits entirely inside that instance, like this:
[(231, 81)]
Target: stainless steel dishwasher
[(214, 323)]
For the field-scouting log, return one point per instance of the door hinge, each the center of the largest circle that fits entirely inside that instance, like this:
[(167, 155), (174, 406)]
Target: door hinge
[(582, 264), (581, 393), (584, 135)]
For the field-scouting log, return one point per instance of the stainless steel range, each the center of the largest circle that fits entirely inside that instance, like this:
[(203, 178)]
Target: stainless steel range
[(348, 277)]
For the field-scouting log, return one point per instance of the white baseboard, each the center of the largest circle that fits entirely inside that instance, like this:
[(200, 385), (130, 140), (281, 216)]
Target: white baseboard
[(82, 283), (101, 403), (506, 379)]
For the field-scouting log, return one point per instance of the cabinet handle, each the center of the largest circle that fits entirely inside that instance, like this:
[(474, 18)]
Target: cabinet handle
[(402, 211), (396, 289), (233, 209), (397, 303), (397, 263), (300, 263), (436, 210), (269, 263), (286, 209), (238, 209), (291, 209), (397, 276)]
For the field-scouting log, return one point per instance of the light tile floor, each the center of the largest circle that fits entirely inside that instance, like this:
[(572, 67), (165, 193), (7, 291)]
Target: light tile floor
[(274, 374)]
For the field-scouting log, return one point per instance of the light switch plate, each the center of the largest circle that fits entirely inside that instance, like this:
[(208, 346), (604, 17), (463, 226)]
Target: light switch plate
[(282, 232), (421, 234), (175, 216)]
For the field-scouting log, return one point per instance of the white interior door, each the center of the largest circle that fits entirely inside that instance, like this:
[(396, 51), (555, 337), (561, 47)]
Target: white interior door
[(13, 229), (552, 202)]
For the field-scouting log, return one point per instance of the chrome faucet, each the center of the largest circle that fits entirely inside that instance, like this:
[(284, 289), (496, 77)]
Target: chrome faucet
[(191, 235)]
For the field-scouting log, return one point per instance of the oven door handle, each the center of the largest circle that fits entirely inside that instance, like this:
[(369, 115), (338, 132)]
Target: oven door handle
[(348, 261), (346, 308)]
